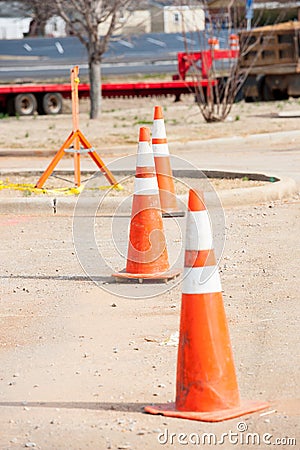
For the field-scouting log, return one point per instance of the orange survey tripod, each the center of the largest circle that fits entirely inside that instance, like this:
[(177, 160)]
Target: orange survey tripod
[(80, 143)]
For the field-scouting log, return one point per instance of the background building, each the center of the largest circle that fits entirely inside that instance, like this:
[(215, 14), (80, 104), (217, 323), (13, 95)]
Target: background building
[(13, 23), (224, 12), (144, 16), (160, 17), (166, 18)]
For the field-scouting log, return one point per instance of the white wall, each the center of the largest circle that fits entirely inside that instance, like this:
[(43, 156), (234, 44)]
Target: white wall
[(130, 22), (13, 28), (175, 16), (55, 27)]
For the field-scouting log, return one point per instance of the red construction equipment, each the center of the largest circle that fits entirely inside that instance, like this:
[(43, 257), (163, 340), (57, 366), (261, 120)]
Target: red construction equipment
[(163, 168), (206, 57), (206, 388), (47, 98), (147, 256), (76, 143)]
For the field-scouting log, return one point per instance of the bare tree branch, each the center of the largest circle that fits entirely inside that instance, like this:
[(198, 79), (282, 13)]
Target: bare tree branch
[(216, 100), (83, 19)]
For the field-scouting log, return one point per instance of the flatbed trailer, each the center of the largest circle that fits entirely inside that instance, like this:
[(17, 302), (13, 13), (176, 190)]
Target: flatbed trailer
[(46, 98), (26, 99)]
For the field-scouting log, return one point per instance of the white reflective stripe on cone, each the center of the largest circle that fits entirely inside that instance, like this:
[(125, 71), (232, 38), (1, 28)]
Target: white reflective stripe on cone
[(158, 129), (145, 160), (198, 231), (144, 147), (201, 280), (160, 149), (145, 186)]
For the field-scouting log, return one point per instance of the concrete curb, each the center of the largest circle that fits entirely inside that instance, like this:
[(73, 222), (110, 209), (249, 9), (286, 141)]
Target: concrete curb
[(278, 190), (251, 139), (284, 188)]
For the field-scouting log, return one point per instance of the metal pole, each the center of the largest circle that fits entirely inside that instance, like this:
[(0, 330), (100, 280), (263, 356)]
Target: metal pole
[(249, 13)]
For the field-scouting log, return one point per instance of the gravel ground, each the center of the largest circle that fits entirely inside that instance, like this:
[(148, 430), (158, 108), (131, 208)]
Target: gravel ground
[(121, 119), (78, 363), (21, 186)]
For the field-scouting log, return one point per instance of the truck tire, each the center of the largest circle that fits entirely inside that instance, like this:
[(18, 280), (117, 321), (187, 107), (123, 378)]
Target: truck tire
[(52, 103), (275, 88), (10, 106), (239, 96), (25, 104), (252, 88), (267, 93), (281, 95)]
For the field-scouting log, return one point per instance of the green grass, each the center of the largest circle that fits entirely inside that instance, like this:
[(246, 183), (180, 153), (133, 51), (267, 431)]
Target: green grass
[(143, 122)]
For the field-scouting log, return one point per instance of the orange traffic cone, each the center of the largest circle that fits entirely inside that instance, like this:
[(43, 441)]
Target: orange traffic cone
[(163, 168), (207, 388), (214, 43), (234, 42), (147, 255)]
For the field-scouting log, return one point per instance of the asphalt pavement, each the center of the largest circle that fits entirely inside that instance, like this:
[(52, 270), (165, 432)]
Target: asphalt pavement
[(38, 58)]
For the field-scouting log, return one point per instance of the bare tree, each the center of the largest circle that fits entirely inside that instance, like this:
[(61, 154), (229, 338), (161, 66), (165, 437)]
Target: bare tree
[(40, 12), (83, 19), (216, 86), (219, 81)]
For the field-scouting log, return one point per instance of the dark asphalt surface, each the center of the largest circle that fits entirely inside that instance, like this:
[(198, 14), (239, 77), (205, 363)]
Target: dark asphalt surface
[(36, 58)]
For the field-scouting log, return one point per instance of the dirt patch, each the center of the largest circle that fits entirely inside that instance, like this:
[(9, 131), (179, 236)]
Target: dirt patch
[(79, 363), (23, 186), (121, 119), (92, 360)]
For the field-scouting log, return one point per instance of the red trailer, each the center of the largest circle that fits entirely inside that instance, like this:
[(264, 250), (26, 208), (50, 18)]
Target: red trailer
[(27, 99)]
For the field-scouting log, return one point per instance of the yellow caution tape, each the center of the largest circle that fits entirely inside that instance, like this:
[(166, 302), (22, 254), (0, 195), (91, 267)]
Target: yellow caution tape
[(66, 191)]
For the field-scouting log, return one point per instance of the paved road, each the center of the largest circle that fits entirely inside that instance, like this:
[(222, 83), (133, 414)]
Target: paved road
[(278, 156), (53, 57), (79, 364)]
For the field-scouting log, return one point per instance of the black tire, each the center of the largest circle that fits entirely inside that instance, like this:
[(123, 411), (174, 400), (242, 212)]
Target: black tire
[(252, 99), (280, 95), (25, 104), (252, 88), (239, 96), (267, 93), (52, 103), (11, 106)]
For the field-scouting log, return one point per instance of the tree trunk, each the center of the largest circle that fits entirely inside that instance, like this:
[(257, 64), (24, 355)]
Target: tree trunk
[(41, 25), (95, 88)]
